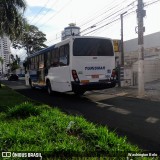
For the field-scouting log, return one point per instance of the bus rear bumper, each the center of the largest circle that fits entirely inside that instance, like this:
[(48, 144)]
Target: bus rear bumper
[(93, 86)]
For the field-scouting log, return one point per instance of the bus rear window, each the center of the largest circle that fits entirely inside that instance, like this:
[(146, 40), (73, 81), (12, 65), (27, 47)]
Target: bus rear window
[(92, 47)]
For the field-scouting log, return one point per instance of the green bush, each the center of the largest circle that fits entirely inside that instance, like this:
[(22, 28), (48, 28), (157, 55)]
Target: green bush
[(23, 110)]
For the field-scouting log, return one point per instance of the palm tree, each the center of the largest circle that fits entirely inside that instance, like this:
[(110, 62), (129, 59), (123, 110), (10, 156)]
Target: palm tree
[(11, 17)]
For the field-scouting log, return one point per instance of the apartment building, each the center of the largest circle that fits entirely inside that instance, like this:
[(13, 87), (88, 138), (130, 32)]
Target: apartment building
[(5, 54)]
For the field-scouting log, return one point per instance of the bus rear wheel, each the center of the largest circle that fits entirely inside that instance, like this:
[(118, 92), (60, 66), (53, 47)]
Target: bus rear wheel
[(49, 88)]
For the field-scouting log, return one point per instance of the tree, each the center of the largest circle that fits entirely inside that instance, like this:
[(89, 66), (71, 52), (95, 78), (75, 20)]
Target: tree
[(15, 62), (11, 17), (32, 40)]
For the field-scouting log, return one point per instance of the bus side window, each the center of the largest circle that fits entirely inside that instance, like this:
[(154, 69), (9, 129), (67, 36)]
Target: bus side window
[(48, 59), (32, 63), (55, 58), (66, 51), (29, 64), (64, 55), (41, 61), (36, 62)]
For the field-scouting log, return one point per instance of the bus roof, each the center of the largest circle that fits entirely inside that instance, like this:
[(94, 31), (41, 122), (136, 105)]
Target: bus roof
[(53, 46), (41, 51)]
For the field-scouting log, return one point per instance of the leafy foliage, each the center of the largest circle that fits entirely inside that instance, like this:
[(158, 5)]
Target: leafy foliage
[(23, 110), (15, 62), (11, 17), (32, 40), (15, 26)]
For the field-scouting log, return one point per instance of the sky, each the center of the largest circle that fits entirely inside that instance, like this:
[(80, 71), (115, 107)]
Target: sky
[(52, 16)]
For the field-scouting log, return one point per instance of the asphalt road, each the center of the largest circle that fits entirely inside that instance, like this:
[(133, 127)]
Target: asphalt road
[(137, 119)]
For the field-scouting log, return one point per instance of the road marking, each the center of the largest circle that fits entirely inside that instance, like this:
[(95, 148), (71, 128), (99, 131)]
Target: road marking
[(102, 105), (119, 110), (152, 120), (99, 97), (121, 94)]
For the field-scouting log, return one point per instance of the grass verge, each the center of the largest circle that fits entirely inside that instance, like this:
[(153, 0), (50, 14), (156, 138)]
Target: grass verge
[(26, 126)]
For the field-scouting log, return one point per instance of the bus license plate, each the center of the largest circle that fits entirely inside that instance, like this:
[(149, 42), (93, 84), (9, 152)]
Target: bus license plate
[(95, 76)]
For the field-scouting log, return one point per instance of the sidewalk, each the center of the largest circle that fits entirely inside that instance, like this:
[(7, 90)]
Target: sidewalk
[(152, 91)]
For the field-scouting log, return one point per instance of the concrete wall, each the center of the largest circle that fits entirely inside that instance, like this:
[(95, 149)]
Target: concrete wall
[(151, 70), (151, 58)]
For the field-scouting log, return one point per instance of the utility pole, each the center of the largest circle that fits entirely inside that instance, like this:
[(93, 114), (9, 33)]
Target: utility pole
[(122, 47), (140, 14), (121, 66)]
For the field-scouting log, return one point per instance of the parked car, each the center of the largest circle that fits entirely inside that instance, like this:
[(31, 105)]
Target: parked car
[(13, 77), (21, 76)]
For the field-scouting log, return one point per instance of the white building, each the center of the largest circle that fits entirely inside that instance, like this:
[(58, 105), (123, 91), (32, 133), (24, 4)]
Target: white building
[(71, 30), (5, 54)]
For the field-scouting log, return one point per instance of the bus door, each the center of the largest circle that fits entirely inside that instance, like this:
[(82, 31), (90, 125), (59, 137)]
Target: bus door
[(41, 76), (61, 73)]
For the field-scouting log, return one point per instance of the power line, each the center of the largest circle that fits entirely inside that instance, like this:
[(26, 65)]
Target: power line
[(56, 13), (119, 18), (102, 26), (94, 18), (104, 12), (108, 10), (97, 11), (59, 37), (103, 19), (46, 12), (99, 31), (40, 11), (98, 15), (54, 39), (109, 16), (115, 13), (109, 22), (152, 2)]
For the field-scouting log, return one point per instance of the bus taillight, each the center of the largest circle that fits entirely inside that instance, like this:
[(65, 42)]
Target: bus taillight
[(75, 76)]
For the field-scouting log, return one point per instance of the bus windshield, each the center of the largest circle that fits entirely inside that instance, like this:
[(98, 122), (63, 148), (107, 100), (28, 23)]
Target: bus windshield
[(92, 47)]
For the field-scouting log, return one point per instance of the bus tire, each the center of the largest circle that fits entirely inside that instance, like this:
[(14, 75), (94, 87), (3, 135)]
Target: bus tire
[(49, 88), (79, 92), (31, 84)]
